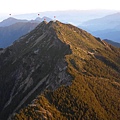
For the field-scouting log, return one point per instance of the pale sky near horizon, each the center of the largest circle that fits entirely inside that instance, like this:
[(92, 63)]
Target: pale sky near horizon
[(32, 6)]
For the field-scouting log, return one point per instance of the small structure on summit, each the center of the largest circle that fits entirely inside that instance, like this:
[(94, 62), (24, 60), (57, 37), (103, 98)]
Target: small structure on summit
[(54, 19)]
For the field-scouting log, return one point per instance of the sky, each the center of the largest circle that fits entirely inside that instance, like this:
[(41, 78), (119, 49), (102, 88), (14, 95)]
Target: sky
[(32, 6)]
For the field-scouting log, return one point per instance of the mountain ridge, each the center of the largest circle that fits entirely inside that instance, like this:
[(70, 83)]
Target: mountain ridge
[(46, 58), (66, 68)]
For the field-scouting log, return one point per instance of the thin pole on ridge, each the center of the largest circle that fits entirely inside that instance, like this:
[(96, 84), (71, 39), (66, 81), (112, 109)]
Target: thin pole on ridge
[(54, 19)]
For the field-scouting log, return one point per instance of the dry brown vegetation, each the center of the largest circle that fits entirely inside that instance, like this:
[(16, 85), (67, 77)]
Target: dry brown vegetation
[(95, 90)]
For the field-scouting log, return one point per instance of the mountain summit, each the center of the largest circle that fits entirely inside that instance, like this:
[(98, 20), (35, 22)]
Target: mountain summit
[(58, 71)]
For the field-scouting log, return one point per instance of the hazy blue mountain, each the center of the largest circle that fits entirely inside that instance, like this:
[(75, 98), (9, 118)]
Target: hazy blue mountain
[(10, 33), (107, 22), (112, 43), (107, 27), (10, 21), (39, 19), (110, 34)]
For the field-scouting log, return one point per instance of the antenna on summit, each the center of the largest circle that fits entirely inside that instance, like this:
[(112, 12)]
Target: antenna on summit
[(54, 19), (44, 20)]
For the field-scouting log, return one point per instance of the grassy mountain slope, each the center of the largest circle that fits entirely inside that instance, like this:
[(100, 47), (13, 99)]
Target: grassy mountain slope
[(80, 75)]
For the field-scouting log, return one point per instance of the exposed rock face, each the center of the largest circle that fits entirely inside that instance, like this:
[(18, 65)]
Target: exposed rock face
[(34, 63)]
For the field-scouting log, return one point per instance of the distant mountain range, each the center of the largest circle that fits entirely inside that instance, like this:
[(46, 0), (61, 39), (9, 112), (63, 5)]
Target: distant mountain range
[(107, 27), (9, 21), (11, 29), (68, 16), (108, 22), (110, 34), (113, 43), (11, 33)]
